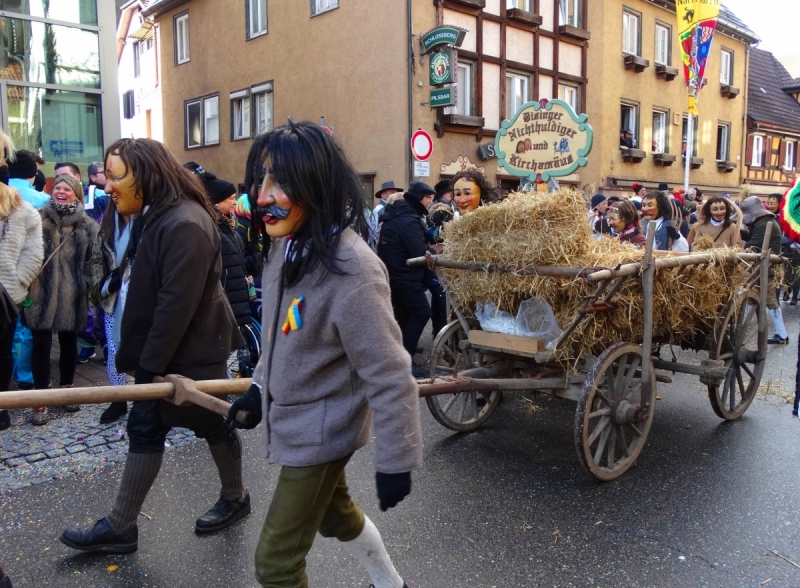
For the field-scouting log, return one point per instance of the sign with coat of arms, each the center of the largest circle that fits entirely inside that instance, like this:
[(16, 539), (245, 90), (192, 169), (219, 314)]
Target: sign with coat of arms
[(442, 68)]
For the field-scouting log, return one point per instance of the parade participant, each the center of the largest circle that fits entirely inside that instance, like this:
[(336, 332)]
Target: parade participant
[(109, 249), (757, 219), (374, 216), (175, 320), (625, 222), (444, 192), (252, 245), (597, 216), (773, 204), (403, 237), (656, 207), (21, 257), (59, 295), (471, 189), (21, 172), (639, 191), (326, 300), (789, 219), (716, 221)]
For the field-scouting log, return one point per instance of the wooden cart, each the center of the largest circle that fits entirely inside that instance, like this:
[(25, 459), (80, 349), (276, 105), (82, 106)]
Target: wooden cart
[(616, 391)]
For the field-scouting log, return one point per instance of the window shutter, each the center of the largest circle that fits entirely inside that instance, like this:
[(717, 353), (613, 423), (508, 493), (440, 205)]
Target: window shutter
[(749, 152), (766, 153), (782, 160)]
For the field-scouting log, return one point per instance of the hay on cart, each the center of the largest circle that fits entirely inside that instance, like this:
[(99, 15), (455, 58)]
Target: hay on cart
[(552, 229)]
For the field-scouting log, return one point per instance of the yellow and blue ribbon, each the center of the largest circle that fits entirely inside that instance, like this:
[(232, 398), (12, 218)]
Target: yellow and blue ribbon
[(293, 319)]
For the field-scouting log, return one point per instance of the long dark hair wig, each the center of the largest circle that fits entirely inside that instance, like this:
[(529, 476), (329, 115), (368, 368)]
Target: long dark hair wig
[(107, 224), (664, 206), (161, 180), (705, 212), (314, 173)]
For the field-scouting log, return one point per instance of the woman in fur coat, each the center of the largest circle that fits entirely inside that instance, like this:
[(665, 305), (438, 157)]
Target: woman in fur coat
[(20, 259), (60, 293)]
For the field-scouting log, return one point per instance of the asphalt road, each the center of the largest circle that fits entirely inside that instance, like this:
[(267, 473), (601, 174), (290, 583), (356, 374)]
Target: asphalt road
[(507, 506)]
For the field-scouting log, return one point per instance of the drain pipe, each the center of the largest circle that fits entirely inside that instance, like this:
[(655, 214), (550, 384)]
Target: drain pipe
[(411, 67)]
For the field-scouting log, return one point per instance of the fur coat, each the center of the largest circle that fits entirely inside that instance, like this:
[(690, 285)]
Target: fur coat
[(20, 250), (60, 293)]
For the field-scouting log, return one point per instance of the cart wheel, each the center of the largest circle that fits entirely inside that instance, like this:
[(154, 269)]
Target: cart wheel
[(736, 337), (464, 411), (613, 417)]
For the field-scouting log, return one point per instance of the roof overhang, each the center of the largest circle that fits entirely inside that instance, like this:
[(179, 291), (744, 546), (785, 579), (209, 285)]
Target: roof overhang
[(144, 32), (761, 125), (159, 7)]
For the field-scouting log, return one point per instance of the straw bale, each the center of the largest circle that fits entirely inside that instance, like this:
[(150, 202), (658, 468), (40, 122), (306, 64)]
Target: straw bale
[(553, 230)]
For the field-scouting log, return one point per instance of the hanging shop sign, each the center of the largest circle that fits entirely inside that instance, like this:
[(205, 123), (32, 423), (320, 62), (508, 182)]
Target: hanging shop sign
[(421, 145), (544, 139), (443, 35), (443, 97), (442, 68)]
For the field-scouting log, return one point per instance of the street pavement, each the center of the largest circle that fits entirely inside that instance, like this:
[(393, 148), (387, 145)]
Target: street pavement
[(708, 504)]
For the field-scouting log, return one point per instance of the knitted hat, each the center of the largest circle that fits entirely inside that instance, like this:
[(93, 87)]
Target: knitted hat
[(442, 187), (636, 188), (24, 167), (753, 209), (418, 190), (219, 190), (74, 185), (597, 200)]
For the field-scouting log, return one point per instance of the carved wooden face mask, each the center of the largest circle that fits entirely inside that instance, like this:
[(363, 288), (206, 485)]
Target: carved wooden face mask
[(280, 215), (467, 195), (650, 209), (121, 186)]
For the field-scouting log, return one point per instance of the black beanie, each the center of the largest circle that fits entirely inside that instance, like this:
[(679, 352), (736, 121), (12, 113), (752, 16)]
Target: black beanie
[(219, 190), (23, 168), (442, 187), (418, 190)]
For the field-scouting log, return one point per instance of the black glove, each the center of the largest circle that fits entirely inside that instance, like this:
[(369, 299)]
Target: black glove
[(250, 402), (392, 488), (113, 281), (673, 233), (143, 376)]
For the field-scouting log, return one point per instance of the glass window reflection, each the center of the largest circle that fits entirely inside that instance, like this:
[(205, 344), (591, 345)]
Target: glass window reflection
[(77, 11), (51, 54)]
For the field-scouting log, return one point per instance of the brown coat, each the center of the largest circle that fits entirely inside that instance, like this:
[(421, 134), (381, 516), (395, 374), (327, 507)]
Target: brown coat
[(722, 238)]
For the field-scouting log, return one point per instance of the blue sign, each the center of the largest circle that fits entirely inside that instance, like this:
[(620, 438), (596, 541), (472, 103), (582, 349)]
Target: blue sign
[(66, 147)]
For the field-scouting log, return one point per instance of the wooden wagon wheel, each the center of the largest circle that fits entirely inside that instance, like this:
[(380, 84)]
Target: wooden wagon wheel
[(614, 415), (464, 411), (738, 344)]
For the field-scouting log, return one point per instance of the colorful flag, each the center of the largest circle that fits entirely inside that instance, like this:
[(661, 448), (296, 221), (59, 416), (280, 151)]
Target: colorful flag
[(697, 21)]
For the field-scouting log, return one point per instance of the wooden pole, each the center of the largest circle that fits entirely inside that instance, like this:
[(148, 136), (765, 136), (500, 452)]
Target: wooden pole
[(499, 268), (647, 293), (764, 288), (104, 394)]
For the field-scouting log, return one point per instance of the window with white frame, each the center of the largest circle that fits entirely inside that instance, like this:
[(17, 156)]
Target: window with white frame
[(181, 22), (723, 141), (202, 121), (695, 135), (568, 94), (262, 107), (790, 159), (241, 125), (320, 6), (570, 13), (629, 119), (137, 56), (464, 90), (256, 18), (757, 158), (662, 44), (726, 67), (630, 33), (659, 132), (516, 92), (526, 5)]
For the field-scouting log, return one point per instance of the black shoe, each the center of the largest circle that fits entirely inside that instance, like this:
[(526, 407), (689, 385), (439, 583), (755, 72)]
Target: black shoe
[(793, 302), (5, 420), (114, 412), (102, 538), (778, 340), (223, 514), (794, 412), (5, 581), (785, 296)]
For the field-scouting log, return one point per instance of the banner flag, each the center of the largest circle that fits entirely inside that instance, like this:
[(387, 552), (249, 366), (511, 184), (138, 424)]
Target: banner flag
[(697, 22)]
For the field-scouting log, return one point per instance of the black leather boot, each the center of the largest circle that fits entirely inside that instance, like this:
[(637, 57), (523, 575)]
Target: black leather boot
[(114, 412), (223, 514), (102, 538)]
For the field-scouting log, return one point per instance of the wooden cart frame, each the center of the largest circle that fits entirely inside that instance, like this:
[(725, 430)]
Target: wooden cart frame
[(616, 391)]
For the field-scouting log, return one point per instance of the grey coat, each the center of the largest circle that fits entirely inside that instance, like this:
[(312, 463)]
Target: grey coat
[(324, 383), (60, 293)]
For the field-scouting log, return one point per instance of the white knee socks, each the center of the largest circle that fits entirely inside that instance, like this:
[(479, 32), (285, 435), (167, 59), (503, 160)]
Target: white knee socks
[(777, 319), (368, 549)]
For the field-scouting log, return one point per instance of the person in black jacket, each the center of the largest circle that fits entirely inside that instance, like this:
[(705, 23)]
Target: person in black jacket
[(403, 237), (175, 320)]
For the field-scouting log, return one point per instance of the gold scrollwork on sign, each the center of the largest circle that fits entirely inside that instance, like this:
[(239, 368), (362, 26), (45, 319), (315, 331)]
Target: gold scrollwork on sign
[(462, 163)]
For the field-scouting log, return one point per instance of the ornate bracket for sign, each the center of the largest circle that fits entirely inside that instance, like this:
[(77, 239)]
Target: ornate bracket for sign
[(544, 172)]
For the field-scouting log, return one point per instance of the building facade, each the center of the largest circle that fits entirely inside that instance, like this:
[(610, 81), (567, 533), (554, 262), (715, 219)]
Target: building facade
[(358, 67), (773, 126), (58, 75), (637, 85), (139, 79)]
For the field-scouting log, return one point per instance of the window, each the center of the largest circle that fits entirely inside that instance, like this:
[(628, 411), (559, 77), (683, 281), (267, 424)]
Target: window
[(630, 33), (182, 38), (757, 159), (662, 45), (256, 18), (75, 11), (726, 68), (723, 141), (262, 107), (240, 115), (137, 54), (521, 4), (569, 94), (570, 12), (128, 105), (202, 121), (464, 89), (516, 92), (695, 133), (659, 132), (789, 160), (629, 119), (320, 6)]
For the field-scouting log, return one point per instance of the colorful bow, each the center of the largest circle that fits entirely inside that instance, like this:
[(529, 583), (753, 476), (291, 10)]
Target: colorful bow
[(293, 319)]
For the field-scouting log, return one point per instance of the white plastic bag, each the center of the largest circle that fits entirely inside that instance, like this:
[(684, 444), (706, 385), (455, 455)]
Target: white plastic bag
[(535, 319)]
